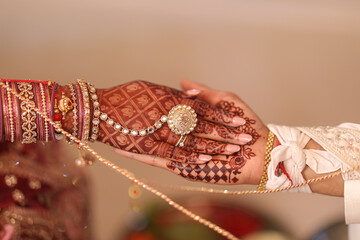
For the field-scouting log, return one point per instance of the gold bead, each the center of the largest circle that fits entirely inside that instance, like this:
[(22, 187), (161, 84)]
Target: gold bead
[(10, 180), (34, 184), (18, 196)]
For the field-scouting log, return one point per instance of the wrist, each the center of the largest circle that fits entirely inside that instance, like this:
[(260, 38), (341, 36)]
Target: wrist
[(313, 145), (257, 166)]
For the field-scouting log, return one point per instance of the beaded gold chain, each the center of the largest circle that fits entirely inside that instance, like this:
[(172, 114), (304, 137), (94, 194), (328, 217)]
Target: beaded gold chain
[(141, 183), (171, 120)]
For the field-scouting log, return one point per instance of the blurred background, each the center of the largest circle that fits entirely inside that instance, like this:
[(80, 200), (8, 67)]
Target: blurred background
[(293, 62)]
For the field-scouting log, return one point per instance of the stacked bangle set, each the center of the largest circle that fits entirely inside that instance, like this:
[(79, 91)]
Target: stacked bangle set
[(20, 123), (82, 101)]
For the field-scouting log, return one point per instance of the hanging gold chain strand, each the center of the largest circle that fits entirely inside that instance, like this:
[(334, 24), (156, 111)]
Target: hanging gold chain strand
[(125, 173)]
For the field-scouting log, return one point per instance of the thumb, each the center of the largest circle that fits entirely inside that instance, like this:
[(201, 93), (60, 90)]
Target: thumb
[(188, 85), (205, 94)]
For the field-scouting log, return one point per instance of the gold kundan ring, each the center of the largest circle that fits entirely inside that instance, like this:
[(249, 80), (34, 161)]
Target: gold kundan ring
[(182, 119)]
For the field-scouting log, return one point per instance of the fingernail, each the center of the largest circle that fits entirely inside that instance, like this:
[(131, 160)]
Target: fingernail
[(205, 158), (232, 148), (193, 92), (239, 121), (244, 138)]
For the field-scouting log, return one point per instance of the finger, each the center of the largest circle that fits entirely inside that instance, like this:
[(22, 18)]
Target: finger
[(197, 144), (214, 114), (206, 94), (193, 93), (217, 132), (207, 146), (209, 95), (148, 159), (171, 152), (186, 84)]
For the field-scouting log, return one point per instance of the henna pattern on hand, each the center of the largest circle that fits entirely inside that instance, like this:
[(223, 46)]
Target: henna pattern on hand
[(203, 145), (215, 115), (215, 171), (211, 172), (208, 128), (138, 105)]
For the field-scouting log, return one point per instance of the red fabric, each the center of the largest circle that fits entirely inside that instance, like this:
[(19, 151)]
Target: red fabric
[(281, 165)]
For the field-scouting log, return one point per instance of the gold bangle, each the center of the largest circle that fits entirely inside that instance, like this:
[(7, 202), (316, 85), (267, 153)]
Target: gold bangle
[(269, 147), (16, 114), (28, 115), (11, 117), (86, 100), (96, 113), (58, 121), (75, 112), (43, 101)]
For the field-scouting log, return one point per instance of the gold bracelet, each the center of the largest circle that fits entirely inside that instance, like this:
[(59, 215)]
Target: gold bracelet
[(269, 147)]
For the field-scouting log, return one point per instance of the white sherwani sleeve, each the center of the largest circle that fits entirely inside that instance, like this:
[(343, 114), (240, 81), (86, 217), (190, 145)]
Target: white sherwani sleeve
[(342, 151)]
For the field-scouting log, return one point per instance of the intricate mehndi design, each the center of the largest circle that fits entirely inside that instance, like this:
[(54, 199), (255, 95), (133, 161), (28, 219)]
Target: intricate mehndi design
[(194, 144), (139, 104), (217, 171)]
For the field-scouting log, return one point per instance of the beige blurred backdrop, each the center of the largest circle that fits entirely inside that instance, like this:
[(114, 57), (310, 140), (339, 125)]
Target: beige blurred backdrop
[(294, 62)]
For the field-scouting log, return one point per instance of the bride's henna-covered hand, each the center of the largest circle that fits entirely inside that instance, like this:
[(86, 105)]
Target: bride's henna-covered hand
[(244, 166), (138, 105)]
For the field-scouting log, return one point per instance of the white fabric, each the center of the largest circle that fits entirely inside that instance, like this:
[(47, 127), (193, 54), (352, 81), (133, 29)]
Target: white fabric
[(352, 201), (354, 232), (343, 142), (342, 145), (295, 157), (291, 153)]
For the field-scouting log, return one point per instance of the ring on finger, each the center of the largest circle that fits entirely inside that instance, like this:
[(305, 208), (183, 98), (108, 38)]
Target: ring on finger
[(181, 142)]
